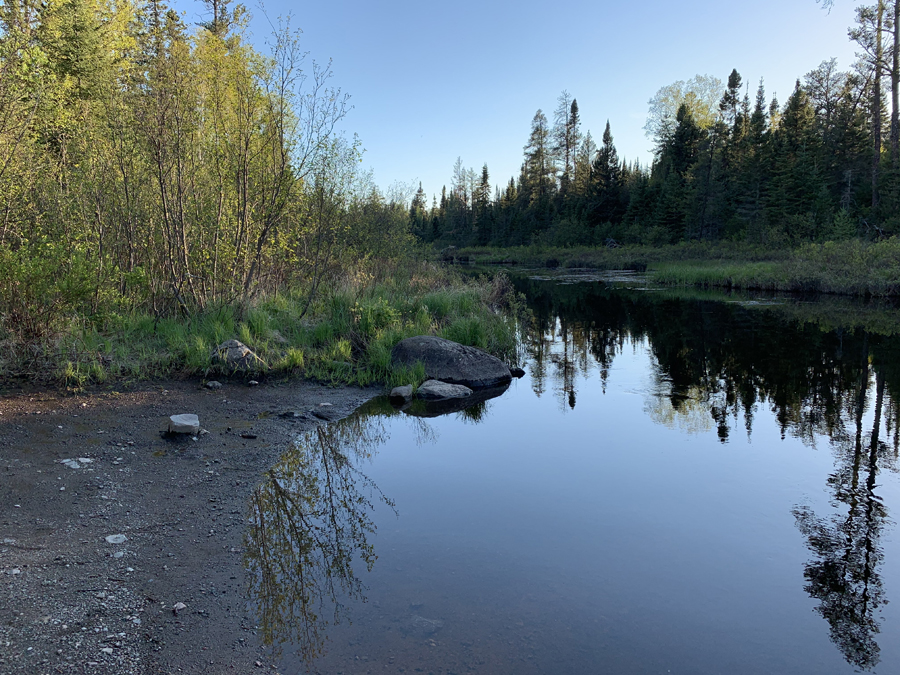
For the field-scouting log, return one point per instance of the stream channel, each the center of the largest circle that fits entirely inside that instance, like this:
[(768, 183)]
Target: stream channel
[(683, 482)]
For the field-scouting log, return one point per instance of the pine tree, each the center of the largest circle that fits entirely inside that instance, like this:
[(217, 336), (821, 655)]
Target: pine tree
[(607, 182), (418, 217), (566, 137), (795, 203), (539, 170), (483, 208)]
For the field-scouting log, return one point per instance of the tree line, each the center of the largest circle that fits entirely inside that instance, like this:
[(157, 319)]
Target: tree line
[(146, 163), (727, 164)]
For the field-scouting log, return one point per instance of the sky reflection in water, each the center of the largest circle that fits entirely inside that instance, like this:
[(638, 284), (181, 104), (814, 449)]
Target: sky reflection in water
[(677, 485)]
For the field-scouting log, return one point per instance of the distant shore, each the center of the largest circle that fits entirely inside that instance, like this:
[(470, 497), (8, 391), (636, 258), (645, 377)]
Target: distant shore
[(851, 267)]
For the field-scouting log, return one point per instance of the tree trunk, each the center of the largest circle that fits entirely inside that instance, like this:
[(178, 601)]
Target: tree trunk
[(895, 94), (876, 103)]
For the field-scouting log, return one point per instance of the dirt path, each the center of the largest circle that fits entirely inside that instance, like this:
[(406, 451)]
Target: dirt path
[(72, 602)]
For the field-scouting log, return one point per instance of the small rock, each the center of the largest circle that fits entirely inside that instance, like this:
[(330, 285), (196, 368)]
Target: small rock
[(184, 424), (107, 650), (118, 554), (435, 389), (116, 539), (252, 383), (213, 384), (178, 606), (276, 336), (516, 372), (71, 463), (403, 393), (235, 355)]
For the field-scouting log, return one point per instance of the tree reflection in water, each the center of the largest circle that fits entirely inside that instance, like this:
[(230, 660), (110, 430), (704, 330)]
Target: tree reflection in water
[(308, 532), (715, 362), (843, 574)]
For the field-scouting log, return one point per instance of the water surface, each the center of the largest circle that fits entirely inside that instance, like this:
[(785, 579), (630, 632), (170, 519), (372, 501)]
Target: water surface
[(678, 485)]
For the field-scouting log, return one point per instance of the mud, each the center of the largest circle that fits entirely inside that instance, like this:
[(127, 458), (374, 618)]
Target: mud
[(71, 601)]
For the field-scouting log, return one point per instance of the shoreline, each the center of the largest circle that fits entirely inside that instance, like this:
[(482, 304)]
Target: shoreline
[(70, 601), (851, 268)]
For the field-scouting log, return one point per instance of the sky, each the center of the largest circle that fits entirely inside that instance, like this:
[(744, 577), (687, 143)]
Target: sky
[(430, 82)]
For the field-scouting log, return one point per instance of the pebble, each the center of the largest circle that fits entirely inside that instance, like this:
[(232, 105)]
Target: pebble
[(107, 650), (213, 384), (116, 539)]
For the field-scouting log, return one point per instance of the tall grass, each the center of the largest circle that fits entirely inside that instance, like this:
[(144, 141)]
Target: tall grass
[(345, 337), (847, 268)]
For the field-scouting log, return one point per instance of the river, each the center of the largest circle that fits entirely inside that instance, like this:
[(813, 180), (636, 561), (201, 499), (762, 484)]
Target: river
[(681, 483)]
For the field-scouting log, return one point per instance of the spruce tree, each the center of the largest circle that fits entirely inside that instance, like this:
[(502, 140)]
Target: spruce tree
[(607, 182)]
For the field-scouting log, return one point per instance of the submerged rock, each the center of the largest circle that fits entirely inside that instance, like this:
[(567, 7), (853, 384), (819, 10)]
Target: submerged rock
[(403, 393), (516, 372), (424, 626), (435, 390), (451, 362)]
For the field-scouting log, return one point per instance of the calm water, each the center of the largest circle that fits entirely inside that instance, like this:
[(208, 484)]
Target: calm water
[(677, 486)]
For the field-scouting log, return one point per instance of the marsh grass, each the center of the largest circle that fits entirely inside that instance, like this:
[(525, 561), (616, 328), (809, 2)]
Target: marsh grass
[(852, 267), (346, 337), (846, 268)]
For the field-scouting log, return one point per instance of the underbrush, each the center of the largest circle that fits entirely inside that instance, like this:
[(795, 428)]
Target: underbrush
[(345, 336)]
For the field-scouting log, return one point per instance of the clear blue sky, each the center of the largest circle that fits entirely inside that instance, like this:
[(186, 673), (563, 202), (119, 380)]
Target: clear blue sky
[(431, 82)]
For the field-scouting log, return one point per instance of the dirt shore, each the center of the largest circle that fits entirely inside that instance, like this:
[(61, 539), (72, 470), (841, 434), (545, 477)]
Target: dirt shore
[(72, 600)]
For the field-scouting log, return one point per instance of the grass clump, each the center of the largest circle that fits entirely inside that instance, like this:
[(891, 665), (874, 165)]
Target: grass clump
[(343, 336)]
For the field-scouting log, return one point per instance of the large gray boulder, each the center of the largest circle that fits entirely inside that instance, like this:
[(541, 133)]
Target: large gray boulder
[(451, 362), (235, 355)]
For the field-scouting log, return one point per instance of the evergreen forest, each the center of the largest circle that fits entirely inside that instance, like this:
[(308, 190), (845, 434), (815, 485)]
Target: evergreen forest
[(729, 163)]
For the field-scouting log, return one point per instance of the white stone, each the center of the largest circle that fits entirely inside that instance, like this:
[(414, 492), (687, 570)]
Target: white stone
[(116, 539), (184, 424)]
